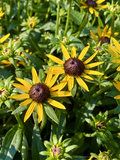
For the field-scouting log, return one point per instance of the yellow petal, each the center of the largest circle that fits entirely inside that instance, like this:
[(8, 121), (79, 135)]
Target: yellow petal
[(20, 87), (93, 72), (52, 82), (26, 102), (117, 97), (91, 65), (99, 31), (118, 69), (48, 78), (100, 1), (105, 30), (83, 53), (86, 76), (25, 83), (93, 35), (70, 83), (91, 10), (116, 43), (65, 52), (96, 13), (73, 52), (101, 6), (4, 38), (55, 59), (60, 94), (55, 72), (56, 104), (40, 112), (117, 85), (29, 111), (83, 3), (89, 59), (20, 96), (82, 83), (35, 76), (114, 54), (54, 68), (116, 61)]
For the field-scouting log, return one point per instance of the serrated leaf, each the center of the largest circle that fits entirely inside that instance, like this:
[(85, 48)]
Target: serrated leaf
[(51, 113), (11, 143)]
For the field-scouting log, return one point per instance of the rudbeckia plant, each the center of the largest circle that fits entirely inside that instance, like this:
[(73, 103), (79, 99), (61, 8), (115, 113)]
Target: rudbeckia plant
[(38, 94), (74, 67)]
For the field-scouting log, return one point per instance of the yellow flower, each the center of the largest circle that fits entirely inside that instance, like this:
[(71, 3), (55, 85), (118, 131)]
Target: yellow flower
[(117, 85), (93, 5), (38, 93), (32, 22), (103, 36), (115, 52), (1, 12), (74, 67)]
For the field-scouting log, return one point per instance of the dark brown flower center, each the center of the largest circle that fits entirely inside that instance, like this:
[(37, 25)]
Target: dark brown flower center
[(104, 40), (91, 3), (74, 67), (39, 92), (56, 150)]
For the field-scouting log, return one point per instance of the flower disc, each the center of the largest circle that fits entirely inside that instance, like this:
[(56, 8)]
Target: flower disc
[(74, 67), (104, 40), (91, 3), (39, 92)]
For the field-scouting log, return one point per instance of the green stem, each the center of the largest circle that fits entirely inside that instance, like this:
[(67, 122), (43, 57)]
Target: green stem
[(10, 8), (112, 24), (89, 134), (17, 117), (18, 13), (32, 8), (58, 19), (68, 17), (83, 24)]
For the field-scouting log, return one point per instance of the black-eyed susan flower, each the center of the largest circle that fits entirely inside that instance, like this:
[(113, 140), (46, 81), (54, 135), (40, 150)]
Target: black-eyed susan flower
[(32, 22), (74, 67), (1, 12), (115, 51), (93, 5), (103, 36), (38, 93)]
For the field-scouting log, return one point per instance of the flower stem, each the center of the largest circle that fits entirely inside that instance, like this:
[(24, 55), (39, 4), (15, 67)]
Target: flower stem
[(68, 17), (58, 19), (83, 24), (17, 117)]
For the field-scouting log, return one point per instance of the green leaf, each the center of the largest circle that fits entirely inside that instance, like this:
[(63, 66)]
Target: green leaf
[(13, 24), (100, 22), (4, 110), (66, 142), (69, 148), (41, 76), (11, 143), (37, 61), (19, 109), (74, 89), (37, 145), (19, 58), (55, 141), (76, 16), (47, 144), (4, 73), (8, 104), (108, 18), (51, 113), (24, 149), (117, 110)]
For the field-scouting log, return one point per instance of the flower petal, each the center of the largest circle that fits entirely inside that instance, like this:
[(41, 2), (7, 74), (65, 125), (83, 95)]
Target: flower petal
[(117, 85), (56, 104), (61, 93), (55, 59), (116, 43), (26, 102), (116, 61), (29, 111), (55, 72), (117, 97), (65, 52), (52, 82), (118, 69), (20, 96), (40, 112), (100, 1), (93, 35), (48, 78), (89, 59), (91, 65), (35, 76), (70, 83), (91, 10), (4, 38), (105, 30), (25, 83), (73, 52), (55, 68), (93, 72), (20, 87), (82, 83), (86, 76), (83, 53)]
